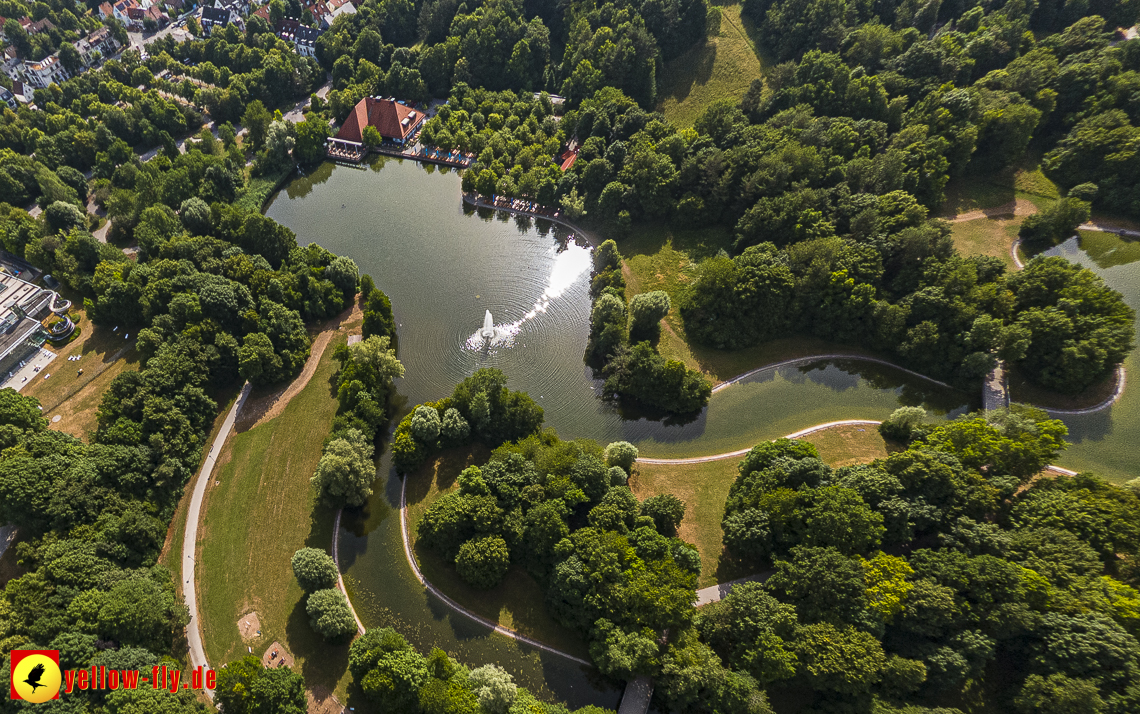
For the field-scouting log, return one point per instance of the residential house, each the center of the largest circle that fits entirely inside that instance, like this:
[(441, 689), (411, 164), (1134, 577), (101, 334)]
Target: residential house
[(396, 121), (214, 16), (10, 62), (35, 28), (128, 12), (336, 8), (44, 72), (303, 37), (106, 10), (8, 98), (99, 44)]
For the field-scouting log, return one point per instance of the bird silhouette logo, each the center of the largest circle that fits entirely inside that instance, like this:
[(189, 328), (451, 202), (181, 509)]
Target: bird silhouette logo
[(36, 676)]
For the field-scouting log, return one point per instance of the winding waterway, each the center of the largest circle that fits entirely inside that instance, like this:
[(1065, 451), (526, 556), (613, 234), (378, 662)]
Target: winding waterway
[(1108, 441), (443, 266)]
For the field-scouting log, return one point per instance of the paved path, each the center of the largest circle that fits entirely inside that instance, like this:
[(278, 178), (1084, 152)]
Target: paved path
[(190, 538), (7, 535), (742, 452), (506, 631), (638, 694)]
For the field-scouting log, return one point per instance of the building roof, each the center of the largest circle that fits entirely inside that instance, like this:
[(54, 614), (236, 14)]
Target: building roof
[(106, 10), (293, 31), (392, 119), (215, 15)]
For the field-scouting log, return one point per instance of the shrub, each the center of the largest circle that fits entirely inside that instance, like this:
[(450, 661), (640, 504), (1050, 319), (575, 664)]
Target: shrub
[(425, 424), (314, 569), (483, 562)]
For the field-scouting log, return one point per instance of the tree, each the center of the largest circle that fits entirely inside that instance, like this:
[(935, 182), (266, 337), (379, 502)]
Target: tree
[(256, 120), (309, 146), (1058, 694), (607, 257), (278, 146), (622, 454), (330, 615), (371, 137), (61, 217), (314, 569), (752, 631), (378, 319), (345, 472), (646, 311), (494, 687), (843, 660), (425, 424), (258, 362), (195, 215), (343, 273), (69, 57), (666, 510), (483, 562)]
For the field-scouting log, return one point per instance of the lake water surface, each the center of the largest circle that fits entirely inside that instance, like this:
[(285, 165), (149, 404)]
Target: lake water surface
[(443, 266)]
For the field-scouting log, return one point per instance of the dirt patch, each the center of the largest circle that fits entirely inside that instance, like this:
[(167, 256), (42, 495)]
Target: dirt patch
[(250, 627), (258, 410), (1012, 209), (322, 701), (276, 656)]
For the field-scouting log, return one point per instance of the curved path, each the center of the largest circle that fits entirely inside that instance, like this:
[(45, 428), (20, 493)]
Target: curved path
[(742, 452), (190, 537), (817, 358), (339, 577), (456, 606)]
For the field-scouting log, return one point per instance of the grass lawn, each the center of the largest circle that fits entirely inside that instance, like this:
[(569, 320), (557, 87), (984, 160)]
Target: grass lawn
[(987, 236), (979, 193), (722, 67), (519, 601), (704, 488), (75, 397), (258, 513)]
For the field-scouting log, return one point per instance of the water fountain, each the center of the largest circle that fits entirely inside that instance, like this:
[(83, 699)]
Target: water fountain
[(488, 331)]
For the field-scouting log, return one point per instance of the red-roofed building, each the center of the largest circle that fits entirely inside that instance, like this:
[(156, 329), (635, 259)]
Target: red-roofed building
[(395, 121)]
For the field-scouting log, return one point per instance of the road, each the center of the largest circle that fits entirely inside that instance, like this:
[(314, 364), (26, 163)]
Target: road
[(190, 538)]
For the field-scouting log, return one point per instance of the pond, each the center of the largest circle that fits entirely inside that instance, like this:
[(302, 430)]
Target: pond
[(443, 266), (1107, 442)]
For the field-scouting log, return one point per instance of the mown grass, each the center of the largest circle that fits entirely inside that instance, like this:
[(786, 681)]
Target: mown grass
[(519, 601), (261, 510), (704, 487), (987, 236), (171, 555), (721, 67)]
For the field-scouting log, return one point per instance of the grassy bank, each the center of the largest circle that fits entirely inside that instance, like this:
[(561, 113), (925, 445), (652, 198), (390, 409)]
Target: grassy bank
[(721, 67), (519, 601), (704, 488), (258, 512)]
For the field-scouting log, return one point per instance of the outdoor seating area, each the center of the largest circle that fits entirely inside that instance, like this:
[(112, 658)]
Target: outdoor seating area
[(515, 205)]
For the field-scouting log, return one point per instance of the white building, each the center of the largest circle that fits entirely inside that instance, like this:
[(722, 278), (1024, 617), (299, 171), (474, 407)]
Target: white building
[(42, 73)]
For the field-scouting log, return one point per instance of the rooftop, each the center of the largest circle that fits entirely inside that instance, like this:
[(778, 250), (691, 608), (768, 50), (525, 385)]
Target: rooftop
[(391, 118)]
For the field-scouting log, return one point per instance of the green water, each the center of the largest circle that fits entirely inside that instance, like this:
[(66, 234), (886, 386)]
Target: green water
[(443, 267), (1108, 442)]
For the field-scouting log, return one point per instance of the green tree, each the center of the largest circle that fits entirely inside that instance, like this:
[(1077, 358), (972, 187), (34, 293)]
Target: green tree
[(330, 615), (312, 133), (494, 687), (666, 510), (483, 562), (622, 454), (314, 569), (345, 472), (843, 660), (646, 311), (256, 120)]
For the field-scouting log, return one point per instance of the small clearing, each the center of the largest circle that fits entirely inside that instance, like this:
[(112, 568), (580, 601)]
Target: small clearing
[(250, 627)]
